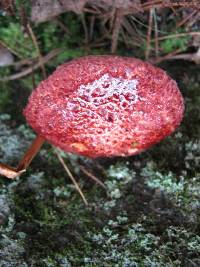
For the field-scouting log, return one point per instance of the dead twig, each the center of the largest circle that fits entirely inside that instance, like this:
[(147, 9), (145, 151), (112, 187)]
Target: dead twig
[(116, 29), (23, 62), (62, 26), (151, 3), (34, 39), (148, 39), (10, 49), (164, 4), (91, 28), (56, 151), (171, 36), (92, 176), (29, 70), (195, 57), (166, 57), (85, 28), (156, 33), (187, 18)]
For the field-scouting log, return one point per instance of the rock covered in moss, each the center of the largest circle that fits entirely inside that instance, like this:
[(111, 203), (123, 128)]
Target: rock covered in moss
[(4, 208), (11, 253)]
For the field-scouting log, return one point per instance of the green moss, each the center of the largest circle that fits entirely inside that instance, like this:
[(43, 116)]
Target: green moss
[(13, 36), (169, 45)]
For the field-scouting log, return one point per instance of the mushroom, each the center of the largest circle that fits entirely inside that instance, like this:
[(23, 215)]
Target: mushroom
[(102, 106)]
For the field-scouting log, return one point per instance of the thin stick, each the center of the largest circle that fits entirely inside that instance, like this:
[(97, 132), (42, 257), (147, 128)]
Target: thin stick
[(62, 26), (160, 4), (188, 17), (148, 39), (29, 70), (116, 29), (156, 33), (90, 175), (30, 153), (84, 28), (150, 3), (91, 29), (70, 175), (171, 36), (166, 57), (190, 56), (10, 49), (33, 37)]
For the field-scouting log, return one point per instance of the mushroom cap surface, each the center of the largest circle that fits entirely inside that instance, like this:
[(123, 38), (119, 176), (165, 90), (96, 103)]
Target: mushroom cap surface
[(102, 106)]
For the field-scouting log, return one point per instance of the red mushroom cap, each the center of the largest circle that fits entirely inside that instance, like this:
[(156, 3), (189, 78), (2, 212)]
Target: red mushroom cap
[(101, 106)]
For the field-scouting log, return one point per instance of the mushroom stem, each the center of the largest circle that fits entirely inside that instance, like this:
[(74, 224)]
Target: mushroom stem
[(30, 153), (11, 172), (8, 171)]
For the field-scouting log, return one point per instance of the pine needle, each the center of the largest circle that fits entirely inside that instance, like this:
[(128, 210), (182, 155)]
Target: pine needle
[(60, 158), (92, 176)]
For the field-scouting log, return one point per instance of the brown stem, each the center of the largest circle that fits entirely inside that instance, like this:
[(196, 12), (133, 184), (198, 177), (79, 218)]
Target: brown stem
[(8, 171), (11, 172), (30, 153)]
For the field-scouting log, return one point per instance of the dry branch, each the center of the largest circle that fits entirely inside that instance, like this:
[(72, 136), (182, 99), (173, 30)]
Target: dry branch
[(34, 39), (70, 175), (35, 66)]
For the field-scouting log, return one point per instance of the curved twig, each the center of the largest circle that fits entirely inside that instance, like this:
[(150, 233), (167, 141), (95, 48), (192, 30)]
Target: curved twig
[(34, 39), (29, 70)]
